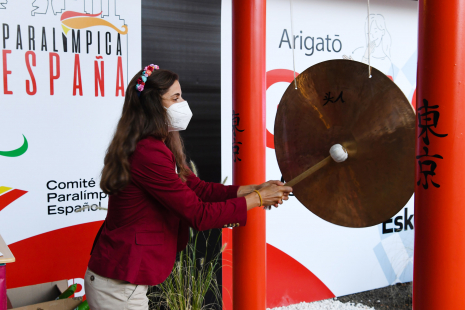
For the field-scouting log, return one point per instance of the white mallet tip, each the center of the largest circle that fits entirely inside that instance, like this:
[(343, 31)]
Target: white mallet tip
[(338, 153)]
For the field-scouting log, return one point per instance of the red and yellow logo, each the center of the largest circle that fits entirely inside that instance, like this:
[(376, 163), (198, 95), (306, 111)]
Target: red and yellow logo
[(76, 20), (8, 195)]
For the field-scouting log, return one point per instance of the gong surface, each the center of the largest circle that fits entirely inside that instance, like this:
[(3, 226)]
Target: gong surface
[(336, 102)]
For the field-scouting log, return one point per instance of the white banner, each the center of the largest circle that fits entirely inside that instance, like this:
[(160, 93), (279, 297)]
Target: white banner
[(346, 260), (65, 68)]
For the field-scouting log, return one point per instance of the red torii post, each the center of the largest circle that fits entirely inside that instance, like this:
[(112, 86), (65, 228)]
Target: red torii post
[(439, 262), (249, 94)]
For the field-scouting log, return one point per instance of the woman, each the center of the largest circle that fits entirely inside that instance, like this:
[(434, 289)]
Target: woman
[(154, 197), (380, 44)]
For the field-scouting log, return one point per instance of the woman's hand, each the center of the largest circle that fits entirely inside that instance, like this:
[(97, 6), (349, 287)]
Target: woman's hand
[(279, 183), (269, 183), (247, 189), (273, 193)]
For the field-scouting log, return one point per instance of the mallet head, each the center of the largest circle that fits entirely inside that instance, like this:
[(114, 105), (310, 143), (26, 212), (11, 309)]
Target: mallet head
[(338, 153)]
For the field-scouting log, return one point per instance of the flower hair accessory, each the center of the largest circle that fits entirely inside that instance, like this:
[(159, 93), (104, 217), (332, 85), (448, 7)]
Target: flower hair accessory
[(143, 78)]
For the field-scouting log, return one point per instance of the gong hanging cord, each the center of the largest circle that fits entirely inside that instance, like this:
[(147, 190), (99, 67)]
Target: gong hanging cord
[(293, 42), (369, 41)]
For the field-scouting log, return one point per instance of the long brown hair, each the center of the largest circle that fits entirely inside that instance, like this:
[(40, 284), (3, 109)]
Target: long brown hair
[(141, 117)]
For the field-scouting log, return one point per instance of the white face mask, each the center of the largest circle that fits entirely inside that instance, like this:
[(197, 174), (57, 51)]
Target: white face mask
[(179, 115)]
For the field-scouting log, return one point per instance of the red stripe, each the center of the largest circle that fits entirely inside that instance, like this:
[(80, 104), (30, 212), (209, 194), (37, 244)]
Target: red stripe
[(57, 255), (272, 77), (9, 197), (289, 282), (279, 75), (69, 14)]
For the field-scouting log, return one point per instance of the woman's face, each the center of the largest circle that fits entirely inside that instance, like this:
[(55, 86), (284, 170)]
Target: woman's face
[(376, 34), (173, 95)]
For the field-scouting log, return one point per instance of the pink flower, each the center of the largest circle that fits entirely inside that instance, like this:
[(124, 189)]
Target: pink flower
[(140, 87)]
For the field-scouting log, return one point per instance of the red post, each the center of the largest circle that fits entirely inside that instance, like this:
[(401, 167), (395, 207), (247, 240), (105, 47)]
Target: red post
[(249, 66), (439, 262)]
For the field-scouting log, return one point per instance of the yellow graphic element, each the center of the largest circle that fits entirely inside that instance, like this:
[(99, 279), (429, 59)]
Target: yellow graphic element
[(86, 22), (65, 29), (4, 189)]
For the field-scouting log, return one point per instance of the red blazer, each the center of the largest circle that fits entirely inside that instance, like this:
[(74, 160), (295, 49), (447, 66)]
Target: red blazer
[(148, 221)]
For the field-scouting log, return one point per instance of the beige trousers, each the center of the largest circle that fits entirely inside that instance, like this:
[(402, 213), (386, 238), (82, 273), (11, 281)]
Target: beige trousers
[(109, 294)]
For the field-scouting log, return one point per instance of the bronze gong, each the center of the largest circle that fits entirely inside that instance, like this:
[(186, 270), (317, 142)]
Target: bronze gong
[(337, 103)]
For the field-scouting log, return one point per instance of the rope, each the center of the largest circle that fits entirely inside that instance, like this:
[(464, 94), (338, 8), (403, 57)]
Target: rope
[(369, 41), (293, 43)]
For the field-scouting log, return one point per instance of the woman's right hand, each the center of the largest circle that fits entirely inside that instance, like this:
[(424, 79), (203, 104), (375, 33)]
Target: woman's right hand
[(272, 195)]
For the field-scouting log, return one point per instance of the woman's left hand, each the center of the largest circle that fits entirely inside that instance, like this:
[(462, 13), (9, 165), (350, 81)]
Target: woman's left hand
[(279, 183), (247, 189)]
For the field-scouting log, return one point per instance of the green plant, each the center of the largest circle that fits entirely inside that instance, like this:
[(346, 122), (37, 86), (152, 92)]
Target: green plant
[(191, 279)]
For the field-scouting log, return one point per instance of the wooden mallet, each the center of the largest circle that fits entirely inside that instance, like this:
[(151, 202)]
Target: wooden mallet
[(337, 152)]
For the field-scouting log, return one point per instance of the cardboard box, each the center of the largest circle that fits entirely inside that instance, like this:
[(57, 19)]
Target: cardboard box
[(63, 304), (41, 297)]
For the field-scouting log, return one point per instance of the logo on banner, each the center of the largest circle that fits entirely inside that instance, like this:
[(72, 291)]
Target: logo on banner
[(64, 69), (17, 152), (8, 195), (88, 29), (76, 20)]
